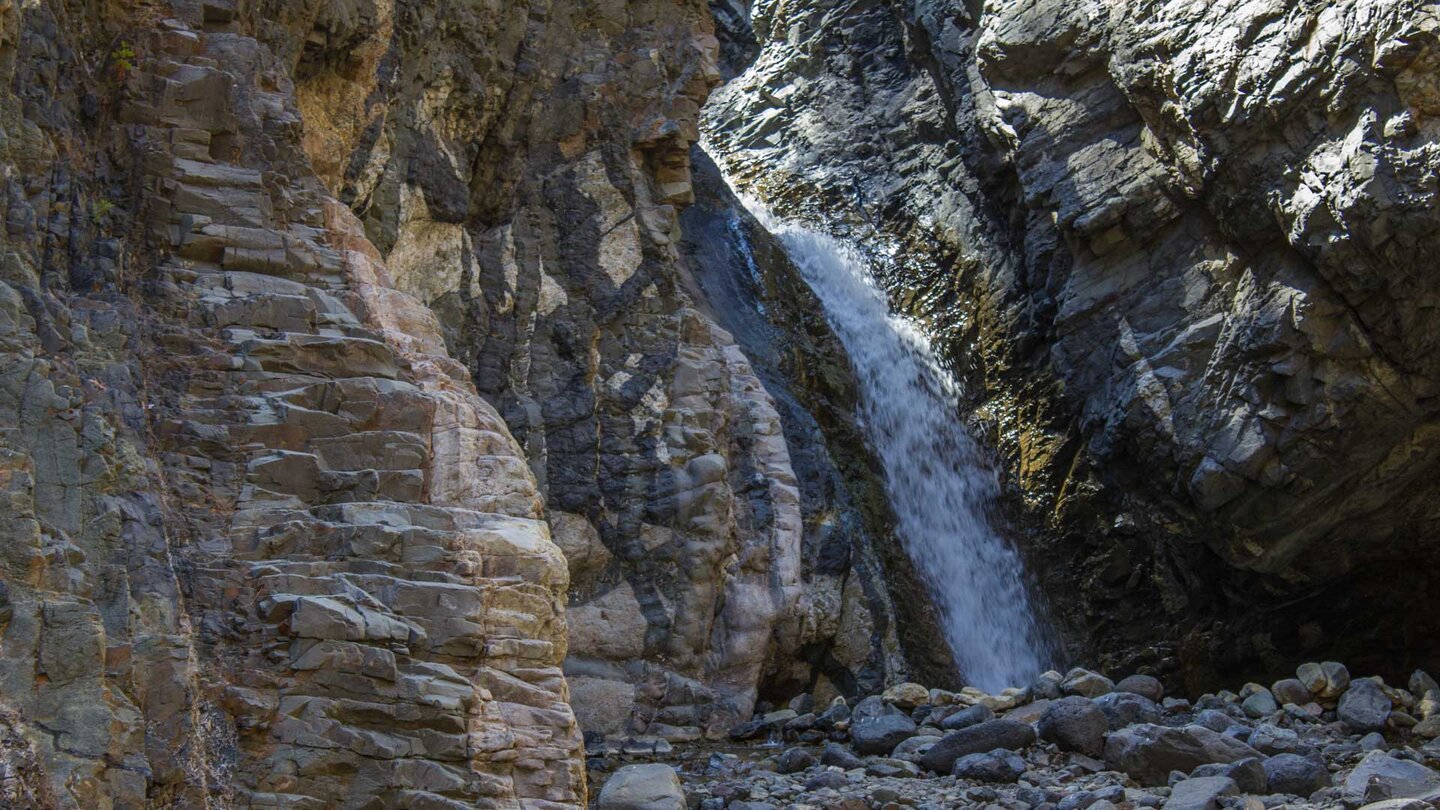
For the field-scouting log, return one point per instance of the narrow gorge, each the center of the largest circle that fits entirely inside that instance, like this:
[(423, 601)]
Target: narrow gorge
[(729, 405)]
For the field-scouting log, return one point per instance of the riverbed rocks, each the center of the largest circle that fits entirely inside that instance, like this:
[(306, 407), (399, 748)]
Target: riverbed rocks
[(1294, 760)]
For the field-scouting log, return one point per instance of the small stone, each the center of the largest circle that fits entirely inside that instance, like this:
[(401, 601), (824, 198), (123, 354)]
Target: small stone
[(993, 766), (1145, 686), (643, 787), (1201, 794), (802, 704), (1337, 678), (1176, 705), (886, 768), (1296, 775), (832, 780), (1364, 707), (1075, 724), (1374, 741), (1085, 683), (1272, 739)]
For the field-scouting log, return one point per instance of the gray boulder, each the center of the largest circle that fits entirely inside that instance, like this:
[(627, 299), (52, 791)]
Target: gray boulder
[(1291, 690), (1260, 704), (1272, 739), (967, 717), (976, 739), (1128, 708), (1201, 794), (1248, 773), (1145, 686), (1296, 775), (999, 765), (1085, 683), (643, 787), (1075, 724), (794, 760), (840, 757), (1150, 752), (880, 734), (1364, 707), (1380, 776)]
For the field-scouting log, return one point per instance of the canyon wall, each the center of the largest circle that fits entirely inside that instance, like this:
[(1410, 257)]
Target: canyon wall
[(1182, 255)]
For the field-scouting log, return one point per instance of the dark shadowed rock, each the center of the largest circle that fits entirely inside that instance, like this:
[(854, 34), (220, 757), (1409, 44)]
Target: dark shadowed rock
[(1248, 773), (1145, 686), (1380, 776), (1364, 706), (967, 717), (1075, 724), (998, 765), (1295, 774), (1200, 794), (1150, 752), (839, 756), (1128, 708), (880, 734), (976, 739)]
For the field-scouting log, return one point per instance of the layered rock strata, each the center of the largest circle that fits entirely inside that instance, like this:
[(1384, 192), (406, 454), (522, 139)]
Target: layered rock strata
[(266, 546), (1179, 252), (521, 168)]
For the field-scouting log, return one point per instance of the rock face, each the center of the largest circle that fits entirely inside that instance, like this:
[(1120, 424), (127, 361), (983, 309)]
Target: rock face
[(1179, 252), (521, 167), (266, 545)]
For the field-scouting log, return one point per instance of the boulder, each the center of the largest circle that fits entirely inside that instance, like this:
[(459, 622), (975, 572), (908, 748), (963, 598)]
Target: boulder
[(976, 739), (1259, 704), (1364, 707), (1085, 683), (1128, 708), (1047, 686), (880, 734), (1380, 776), (1272, 739), (906, 695), (1296, 775), (998, 765), (967, 717), (1145, 686), (642, 787), (1200, 794), (1150, 752), (1248, 773), (794, 760), (1291, 690), (840, 757), (1075, 724)]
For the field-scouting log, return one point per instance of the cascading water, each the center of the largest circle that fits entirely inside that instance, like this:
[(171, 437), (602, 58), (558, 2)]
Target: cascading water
[(938, 483)]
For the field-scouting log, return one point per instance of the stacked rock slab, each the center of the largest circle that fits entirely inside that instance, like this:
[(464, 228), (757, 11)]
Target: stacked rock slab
[(289, 557)]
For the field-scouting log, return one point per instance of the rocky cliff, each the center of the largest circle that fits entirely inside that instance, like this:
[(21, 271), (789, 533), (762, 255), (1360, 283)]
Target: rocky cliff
[(1181, 253)]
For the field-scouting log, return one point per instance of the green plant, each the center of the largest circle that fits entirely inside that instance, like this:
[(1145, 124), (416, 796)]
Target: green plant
[(122, 60), (100, 210)]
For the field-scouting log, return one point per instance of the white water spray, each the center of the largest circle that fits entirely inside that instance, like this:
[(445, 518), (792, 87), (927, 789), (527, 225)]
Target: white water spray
[(938, 482)]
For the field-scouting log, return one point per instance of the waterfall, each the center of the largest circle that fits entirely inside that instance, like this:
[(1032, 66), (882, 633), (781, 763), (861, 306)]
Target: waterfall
[(937, 480)]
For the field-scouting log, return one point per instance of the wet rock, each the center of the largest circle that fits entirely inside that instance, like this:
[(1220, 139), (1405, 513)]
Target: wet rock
[(977, 739), (1075, 724), (1296, 775), (1364, 707), (642, 787), (999, 765), (1150, 752)]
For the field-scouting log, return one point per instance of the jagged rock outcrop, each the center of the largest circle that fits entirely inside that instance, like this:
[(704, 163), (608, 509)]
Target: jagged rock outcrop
[(521, 167), (1181, 253), (266, 546)]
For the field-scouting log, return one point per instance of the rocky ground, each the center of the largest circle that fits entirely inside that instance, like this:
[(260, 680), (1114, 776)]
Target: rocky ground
[(1066, 742)]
